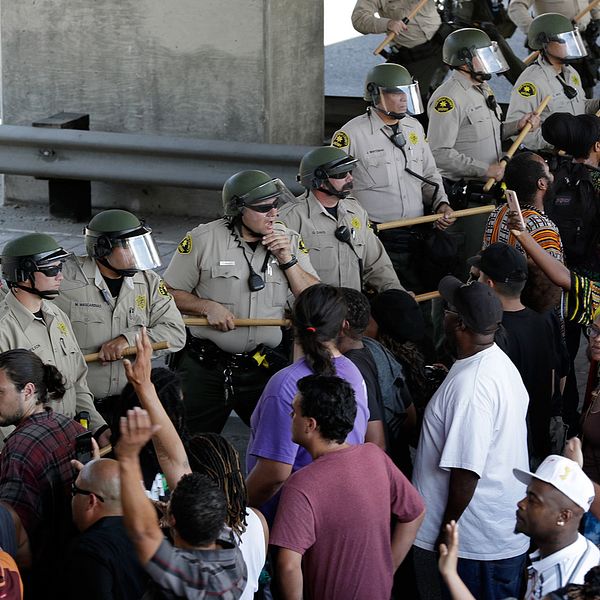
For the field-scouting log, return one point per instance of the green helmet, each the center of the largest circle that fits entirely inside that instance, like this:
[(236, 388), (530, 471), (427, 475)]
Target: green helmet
[(463, 46), (319, 164), (393, 78), (25, 255), (553, 27), (116, 228), (250, 187)]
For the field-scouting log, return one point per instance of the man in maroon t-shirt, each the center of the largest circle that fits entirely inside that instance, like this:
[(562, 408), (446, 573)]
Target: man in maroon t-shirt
[(334, 519)]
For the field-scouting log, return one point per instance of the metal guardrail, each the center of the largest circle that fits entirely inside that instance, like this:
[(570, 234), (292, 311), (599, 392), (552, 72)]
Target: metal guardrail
[(138, 158)]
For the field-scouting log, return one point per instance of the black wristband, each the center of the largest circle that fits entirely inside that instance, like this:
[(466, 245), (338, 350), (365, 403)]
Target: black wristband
[(293, 261)]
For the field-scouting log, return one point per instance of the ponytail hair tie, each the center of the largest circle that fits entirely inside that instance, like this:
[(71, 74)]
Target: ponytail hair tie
[(311, 329)]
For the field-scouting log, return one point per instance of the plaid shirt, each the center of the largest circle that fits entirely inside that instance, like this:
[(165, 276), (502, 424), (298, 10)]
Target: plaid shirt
[(198, 574), (36, 475)]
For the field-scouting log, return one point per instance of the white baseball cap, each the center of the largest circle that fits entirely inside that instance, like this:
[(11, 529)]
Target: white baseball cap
[(566, 476)]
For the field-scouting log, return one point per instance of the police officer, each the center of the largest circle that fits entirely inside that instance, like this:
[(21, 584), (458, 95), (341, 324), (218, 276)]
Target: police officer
[(396, 176), (417, 45), (550, 75), (122, 295), (465, 130), (32, 267), (241, 266), (335, 227), (520, 11)]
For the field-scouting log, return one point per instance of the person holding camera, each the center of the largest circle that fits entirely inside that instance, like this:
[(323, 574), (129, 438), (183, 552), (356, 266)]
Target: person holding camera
[(335, 228), (244, 265)]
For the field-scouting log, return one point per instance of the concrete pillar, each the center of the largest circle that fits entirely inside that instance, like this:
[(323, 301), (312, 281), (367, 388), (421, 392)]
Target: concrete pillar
[(245, 70)]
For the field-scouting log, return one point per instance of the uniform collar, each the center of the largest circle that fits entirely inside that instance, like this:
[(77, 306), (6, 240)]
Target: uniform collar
[(315, 207), (23, 315), (92, 272), (549, 69)]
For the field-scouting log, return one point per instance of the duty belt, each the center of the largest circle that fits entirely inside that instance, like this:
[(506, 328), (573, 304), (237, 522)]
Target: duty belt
[(420, 52), (211, 355)]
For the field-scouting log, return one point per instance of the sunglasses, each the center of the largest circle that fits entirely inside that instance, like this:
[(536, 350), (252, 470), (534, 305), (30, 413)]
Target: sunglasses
[(263, 208), (592, 332), (51, 271), (77, 490), (340, 175)]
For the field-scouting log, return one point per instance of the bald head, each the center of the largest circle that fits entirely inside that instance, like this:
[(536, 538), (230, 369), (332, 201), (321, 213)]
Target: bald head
[(101, 476)]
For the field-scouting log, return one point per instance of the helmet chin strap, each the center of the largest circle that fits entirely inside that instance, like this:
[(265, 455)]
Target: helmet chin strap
[(43, 294), (254, 233), (564, 61), (478, 76), (119, 272), (331, 191), (394, 115)]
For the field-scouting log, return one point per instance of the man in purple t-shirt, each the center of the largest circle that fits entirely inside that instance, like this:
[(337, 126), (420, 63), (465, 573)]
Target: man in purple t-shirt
[(270, 438), (333, 529)]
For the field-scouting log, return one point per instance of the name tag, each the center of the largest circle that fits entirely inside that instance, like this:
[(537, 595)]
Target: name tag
[(227, 263)]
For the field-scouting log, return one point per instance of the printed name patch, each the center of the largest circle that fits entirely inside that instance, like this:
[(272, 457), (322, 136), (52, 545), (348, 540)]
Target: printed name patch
[(444, 104), (527, 89)]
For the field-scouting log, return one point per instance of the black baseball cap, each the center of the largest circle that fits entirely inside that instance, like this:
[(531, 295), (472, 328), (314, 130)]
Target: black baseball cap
[(476, 304), (501, 263)]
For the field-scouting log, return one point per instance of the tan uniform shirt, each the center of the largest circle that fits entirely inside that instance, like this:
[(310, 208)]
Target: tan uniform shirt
[(381, 183), (537, 81), (521, 12), (210, 263), (421, 27), (334, 260), (97, 317), (54, 342), (464, 133)]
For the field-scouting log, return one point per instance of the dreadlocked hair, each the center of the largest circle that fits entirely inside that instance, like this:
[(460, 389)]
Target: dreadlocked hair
[(212, 455), (318, 316)]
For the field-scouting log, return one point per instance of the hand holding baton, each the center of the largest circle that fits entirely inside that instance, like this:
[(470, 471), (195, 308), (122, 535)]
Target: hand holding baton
[(129, 351), (515, 145), (391, 35)]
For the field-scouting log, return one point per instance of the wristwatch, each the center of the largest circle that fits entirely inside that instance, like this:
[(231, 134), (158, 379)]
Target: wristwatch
[(293, 261)]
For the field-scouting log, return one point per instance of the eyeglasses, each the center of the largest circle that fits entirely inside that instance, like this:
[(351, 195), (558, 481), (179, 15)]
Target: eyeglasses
[(263, 208), (592, 331), (51, 271), (77, 490), (340, 175)]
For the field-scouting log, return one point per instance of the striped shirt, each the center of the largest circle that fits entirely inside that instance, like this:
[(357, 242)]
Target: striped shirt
[(583, 300), (568, 565), (538, 225)]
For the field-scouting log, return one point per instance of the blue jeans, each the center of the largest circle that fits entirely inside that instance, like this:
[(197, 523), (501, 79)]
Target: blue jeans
[(493, 579)]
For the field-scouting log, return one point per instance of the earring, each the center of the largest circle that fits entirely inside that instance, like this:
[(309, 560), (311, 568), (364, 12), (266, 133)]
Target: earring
[(560, 523)]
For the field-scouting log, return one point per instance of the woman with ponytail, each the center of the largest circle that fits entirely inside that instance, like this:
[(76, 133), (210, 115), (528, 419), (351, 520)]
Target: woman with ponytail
[(35, 464), (318, 315)]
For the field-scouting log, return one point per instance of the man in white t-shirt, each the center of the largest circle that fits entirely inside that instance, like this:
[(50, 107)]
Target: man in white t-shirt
[(474, 432), (558, 494)]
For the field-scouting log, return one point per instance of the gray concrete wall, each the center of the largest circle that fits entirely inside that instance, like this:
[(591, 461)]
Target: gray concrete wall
[(244, 70)]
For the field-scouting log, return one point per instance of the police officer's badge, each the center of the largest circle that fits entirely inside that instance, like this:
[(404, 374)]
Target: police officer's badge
[(162, 288), (185, 246), (140, 302), (444, 104), (575, 79), (302, 246), (527, 89), (355, 222), (62, 328), (340, 140), (413, 138)]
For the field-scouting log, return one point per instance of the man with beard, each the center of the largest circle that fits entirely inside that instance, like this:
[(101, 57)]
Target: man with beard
[(335, 227), (558, 494), (243, 265), (474, 432)]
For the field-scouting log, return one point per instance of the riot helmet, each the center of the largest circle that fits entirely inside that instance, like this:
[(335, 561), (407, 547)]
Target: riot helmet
[(393, 79), (553, 27), (318, 165)]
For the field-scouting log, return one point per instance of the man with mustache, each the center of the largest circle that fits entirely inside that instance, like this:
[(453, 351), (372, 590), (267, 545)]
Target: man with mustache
[(335, 227)]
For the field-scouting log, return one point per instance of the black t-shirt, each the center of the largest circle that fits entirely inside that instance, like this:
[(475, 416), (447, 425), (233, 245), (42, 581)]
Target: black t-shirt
[(114, 285), (531, 344), (363, 360)]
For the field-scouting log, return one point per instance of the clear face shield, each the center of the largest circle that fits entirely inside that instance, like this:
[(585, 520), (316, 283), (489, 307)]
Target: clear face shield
[(66, 263), (274, 190), (489, 60), (569, 45), (137, 252), (405, 98), (340, 168)]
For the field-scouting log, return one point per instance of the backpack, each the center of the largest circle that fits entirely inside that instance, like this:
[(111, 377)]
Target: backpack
[(574, 210), (11, 586)]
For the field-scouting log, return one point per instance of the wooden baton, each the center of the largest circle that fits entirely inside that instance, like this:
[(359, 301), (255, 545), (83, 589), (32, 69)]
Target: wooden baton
[(477, 210), (391, 35), (578, 17), (129, 351), (203, 322), (515, 145)]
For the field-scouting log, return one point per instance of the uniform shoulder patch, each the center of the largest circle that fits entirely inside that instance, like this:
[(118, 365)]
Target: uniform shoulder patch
[(527, 89), (443, 104), (302, 246), (413, 138), (185, 246), (162, 289), (340, 140)]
